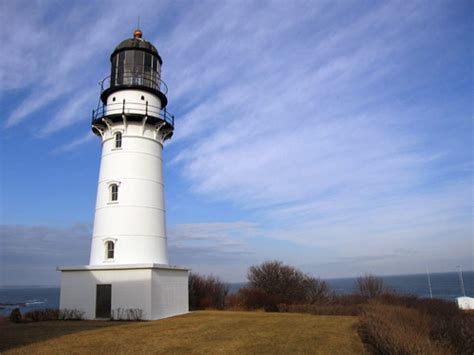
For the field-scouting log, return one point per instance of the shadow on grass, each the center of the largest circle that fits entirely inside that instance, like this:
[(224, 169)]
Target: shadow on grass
[(14, 335)]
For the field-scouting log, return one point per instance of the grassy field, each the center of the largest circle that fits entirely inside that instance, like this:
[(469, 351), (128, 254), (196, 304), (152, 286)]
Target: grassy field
[(201, 332)]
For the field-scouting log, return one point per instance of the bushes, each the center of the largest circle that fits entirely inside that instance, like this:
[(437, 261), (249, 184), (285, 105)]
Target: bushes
[(206, 292), (47, 314), (71, 314), (322, 310), (129, 314), (450, 325), (370, 286), (273, 283), (397, 330), (15, 315), (254, 298), (40, 315), (405, 324)]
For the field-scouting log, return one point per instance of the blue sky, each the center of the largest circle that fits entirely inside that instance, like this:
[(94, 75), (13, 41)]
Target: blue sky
[(335, 136)]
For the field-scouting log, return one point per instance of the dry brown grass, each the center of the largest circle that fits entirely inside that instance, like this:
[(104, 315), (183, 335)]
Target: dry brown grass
[(390, 329), (207, 332)]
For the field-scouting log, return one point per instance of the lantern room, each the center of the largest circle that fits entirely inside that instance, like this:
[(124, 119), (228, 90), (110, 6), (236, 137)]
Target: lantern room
[(134, 90), (135, 64)]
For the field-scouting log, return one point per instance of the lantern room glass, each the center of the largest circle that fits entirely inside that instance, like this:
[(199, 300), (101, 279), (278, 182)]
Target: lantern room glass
[(135, 67)]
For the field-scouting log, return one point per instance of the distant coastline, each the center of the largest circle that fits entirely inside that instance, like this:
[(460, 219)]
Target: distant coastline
[(465, 272)]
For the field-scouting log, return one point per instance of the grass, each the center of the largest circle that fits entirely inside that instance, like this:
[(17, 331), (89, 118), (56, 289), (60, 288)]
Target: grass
[(198, 332)]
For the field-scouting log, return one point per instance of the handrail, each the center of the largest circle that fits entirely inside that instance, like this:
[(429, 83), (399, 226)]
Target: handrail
[(132, 79), (124, 108)]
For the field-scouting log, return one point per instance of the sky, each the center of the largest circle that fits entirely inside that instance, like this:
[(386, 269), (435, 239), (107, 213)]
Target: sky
[(335, 136)]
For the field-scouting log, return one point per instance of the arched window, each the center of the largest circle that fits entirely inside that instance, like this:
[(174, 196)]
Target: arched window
[(113, 192), (118, 140), (109, 250)]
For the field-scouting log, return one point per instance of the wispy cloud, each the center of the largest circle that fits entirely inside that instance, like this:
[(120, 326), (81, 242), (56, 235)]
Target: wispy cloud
[(340, 127), (55, 64), (29, 255), (316, 136), (75, 143), (205, 241)]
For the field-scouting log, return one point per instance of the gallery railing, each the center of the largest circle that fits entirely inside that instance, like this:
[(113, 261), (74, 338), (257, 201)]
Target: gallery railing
[(132, 108)]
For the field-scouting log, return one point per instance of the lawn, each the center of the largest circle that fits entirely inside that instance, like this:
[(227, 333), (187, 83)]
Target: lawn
[(201, 332)]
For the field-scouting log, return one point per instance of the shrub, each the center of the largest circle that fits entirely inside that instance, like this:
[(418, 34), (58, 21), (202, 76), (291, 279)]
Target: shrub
[(317, 291), (392, 317), (206, 292), (450, 325), (235, 301), (254, 298), (71, 314), (15, 315), (323, 310), (348, 300), (278, 283), (370, 286), (129, 314), (40, 315), (397, 330)]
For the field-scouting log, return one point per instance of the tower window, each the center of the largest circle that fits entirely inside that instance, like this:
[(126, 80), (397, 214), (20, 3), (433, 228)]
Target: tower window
[(109, 250), (143, 97), (118, 140), (114, 192)]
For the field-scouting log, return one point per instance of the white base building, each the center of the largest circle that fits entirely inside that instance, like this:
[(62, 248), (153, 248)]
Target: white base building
[(103, 292)]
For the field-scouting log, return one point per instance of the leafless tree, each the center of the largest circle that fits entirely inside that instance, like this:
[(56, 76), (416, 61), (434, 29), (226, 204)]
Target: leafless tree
[(206, 292), (285, 284), (370, 286)]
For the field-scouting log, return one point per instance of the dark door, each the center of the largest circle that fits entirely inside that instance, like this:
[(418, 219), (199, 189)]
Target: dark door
[(103, 302)]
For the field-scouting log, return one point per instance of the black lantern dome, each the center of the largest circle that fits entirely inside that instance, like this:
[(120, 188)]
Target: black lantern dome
[(136, 64), (136, 43)]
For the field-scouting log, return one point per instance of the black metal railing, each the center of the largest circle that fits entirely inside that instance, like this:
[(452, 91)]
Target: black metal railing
[(132, 108), (151, 80)]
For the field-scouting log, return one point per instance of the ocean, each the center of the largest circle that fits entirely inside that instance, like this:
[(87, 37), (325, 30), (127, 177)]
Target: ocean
[(444, 285)]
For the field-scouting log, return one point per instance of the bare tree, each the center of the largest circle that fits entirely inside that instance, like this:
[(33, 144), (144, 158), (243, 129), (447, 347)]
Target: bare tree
[(317, 291), (284, 284), (206, 292), (370, 286)]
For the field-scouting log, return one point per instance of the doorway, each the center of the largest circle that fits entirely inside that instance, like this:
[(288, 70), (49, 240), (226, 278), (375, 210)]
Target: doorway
[(103, 301)]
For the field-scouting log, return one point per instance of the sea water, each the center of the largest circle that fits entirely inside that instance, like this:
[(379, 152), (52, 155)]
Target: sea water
[(27, 298), (444, 285)]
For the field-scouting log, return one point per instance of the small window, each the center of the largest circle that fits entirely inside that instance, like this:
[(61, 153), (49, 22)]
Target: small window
[(109, 250), (113, 98), (143, 97), (114, 192), (118, 140)]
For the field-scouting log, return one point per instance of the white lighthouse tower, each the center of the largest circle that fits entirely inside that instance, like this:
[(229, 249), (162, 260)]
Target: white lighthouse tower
[(128, 268)]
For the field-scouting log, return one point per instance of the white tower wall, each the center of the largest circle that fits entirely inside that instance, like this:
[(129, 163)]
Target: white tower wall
[(136, 221), (135, 101)]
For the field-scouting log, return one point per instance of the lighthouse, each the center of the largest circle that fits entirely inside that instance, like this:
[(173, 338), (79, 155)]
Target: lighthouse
[(128, 271)]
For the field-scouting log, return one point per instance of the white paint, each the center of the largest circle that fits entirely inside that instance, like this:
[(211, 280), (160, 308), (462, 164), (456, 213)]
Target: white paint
[(135, 102), (137, 219), (160, 291)]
